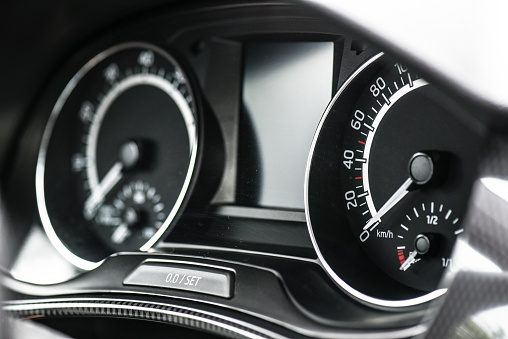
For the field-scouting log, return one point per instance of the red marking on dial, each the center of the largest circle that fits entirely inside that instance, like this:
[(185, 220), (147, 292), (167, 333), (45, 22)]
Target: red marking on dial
[(361, 142), (358, 178), (401, 257)]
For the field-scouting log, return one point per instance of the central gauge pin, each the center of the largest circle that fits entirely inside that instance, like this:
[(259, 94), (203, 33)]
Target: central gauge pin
[(422, 244), (421, 168), (129, 154)]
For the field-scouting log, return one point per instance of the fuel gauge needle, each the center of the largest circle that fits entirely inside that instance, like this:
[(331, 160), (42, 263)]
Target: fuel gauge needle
[(410, 261), (100, 191)]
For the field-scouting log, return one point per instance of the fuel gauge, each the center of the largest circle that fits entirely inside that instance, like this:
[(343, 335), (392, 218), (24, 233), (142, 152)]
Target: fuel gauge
[(423, 242)]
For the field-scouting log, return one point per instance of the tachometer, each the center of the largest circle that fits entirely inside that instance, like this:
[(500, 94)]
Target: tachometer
[(386, 184), (118, 154)]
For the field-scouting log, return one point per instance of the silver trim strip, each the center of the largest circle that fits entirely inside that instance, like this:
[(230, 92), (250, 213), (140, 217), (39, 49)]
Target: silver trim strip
[(27, 305), (186, 312), (227, 249), (259, 213)]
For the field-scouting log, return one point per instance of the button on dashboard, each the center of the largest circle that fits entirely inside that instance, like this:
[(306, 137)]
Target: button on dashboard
[(194, 278)]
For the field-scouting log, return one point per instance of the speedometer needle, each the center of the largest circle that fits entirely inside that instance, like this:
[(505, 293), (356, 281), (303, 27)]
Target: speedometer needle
[(394, 199), (128, 158), (421, 170), (100, 191)]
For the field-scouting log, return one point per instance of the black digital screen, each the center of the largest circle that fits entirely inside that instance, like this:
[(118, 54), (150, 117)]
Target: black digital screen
[(286, 88)]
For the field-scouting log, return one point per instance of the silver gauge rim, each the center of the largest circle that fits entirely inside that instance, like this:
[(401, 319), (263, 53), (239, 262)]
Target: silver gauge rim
[(186, 110), (368, 143), (336, 278)]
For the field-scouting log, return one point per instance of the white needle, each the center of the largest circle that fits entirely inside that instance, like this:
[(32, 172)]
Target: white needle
[(120, 234), (394, 199), (409, 261), (100, 191)]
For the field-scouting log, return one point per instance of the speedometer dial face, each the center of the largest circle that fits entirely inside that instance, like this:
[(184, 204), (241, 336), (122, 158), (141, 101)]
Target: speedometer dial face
[(118, 154), (386, 184)]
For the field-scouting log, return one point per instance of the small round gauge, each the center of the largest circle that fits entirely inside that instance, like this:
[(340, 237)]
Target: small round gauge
[(387, 184), (118, 154)]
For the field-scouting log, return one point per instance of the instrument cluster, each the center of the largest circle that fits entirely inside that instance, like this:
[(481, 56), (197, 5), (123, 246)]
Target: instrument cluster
[(244, 156)]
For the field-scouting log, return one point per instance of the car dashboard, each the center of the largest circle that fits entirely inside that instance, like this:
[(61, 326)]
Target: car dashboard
[(247, 170)]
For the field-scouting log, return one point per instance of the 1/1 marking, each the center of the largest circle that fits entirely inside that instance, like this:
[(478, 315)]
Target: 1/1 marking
[(447, 262)]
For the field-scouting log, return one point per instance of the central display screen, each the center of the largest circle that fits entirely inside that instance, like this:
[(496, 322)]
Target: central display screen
[(286, 88)]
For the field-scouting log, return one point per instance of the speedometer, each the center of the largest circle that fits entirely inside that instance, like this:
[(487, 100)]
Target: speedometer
[(118, 154), (386, 182)]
